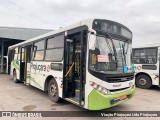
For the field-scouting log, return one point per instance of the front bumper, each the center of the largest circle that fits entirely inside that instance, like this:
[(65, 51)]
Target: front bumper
[(98, 101)]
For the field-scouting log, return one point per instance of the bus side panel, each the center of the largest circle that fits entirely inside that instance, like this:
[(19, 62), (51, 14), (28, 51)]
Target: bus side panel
[(151, 73), (11, 68), (58, 77), (28, 72), (39, 73), (88, 87), (15, 64), (36, 74)]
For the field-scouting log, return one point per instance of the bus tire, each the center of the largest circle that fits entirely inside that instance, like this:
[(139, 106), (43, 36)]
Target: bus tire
[(143, 81), (53, 91), (15, 77)]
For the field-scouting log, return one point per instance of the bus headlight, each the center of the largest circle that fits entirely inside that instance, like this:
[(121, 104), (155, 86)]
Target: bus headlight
[(133, 86), (95, 86), (105, 91), (99, 88)]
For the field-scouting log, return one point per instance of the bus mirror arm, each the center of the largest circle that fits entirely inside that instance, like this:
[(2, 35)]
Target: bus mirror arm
[(92, 42)]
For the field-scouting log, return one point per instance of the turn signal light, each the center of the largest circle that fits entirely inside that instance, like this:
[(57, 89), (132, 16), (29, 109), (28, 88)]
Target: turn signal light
[(100, 88)]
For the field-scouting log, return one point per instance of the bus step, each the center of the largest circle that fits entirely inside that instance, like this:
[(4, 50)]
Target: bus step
[(77, 93), (75, 99), (77, 84)]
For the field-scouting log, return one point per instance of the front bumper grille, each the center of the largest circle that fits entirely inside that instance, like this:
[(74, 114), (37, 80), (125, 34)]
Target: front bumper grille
[(116, 90), (119, 79)]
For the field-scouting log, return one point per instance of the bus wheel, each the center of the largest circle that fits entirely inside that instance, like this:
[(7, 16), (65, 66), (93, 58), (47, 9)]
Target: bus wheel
[(143, 81), (53, 91), (15, 77)]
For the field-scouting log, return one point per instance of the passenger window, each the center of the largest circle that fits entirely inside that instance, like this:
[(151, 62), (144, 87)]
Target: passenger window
[(54, 50), (16, 50), (145, 56), (38, 50)]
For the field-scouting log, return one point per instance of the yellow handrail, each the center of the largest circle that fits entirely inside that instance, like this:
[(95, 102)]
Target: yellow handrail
[(69, 69)]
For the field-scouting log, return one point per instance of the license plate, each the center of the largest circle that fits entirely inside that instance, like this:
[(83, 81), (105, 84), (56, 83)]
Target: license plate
[(123, 97)]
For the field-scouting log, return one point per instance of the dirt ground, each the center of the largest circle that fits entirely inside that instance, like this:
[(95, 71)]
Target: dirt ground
[(19, 97)]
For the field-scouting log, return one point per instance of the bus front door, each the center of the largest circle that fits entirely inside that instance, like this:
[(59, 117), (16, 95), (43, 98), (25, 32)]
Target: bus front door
[(73, 80), (69, 68)]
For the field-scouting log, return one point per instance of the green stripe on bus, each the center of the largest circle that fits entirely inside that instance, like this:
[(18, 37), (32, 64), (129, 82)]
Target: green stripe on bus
[(16, 64), (33, 80)]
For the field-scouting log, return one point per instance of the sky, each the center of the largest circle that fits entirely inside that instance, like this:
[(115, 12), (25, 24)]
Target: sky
[(142, 17)]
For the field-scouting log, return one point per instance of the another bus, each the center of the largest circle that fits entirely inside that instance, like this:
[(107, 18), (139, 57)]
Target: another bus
[(4, 63), (147, 63), (87, 63)]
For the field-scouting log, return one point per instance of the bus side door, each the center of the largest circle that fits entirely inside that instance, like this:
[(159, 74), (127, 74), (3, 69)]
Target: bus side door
[(28, 63), (22, 64)]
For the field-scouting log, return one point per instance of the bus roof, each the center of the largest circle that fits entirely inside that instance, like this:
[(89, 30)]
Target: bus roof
[(87, 22), (147, 45)]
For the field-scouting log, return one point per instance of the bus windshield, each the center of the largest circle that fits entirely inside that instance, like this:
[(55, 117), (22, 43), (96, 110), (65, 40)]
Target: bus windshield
[(110, 55)]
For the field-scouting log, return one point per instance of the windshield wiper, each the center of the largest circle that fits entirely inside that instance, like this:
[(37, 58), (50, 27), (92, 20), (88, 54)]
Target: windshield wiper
[(124, 54), (114, 49)]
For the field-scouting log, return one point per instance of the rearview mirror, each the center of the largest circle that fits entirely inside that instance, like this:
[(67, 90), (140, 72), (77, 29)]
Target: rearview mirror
[(92, 42)]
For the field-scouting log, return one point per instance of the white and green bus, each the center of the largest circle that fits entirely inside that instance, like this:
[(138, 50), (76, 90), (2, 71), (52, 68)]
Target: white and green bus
[(87, 63), (146, 59)]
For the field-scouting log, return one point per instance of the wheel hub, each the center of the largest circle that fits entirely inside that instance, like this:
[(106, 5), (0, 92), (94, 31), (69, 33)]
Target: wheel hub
[(53, 90), (143, 81)]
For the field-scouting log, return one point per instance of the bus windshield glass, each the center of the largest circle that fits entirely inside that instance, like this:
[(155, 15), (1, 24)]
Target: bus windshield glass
[(110, 55)]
